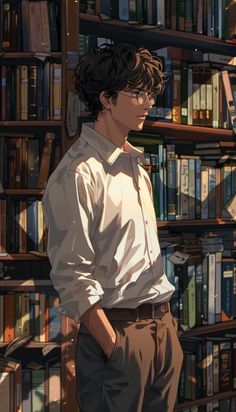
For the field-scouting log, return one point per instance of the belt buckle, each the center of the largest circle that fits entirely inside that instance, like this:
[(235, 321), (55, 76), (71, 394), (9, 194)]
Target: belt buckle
[(154, 311)]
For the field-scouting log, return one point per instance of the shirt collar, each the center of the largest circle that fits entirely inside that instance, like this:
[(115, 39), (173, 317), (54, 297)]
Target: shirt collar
[(108, 151)]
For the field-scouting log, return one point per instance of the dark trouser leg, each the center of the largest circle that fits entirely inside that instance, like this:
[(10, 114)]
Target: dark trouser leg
[(162, 394), (142, 368)]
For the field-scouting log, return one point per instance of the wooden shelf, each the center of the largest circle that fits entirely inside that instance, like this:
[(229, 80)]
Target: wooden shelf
[(209, 329), (28, 55), (27, 192), (182, 131), (204, 401), (21, 256), (151, 36), (32, 345), (199, 222), (30, 123), (29, 285)]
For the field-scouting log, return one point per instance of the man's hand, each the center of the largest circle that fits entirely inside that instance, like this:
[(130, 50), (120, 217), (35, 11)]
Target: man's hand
[(99, 326)]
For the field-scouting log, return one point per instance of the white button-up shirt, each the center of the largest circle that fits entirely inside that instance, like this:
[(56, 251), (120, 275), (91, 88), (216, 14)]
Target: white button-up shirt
[(102, 232)]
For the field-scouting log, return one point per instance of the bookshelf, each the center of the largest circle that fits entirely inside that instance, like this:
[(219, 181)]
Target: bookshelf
[(154, 37), (23, 273)]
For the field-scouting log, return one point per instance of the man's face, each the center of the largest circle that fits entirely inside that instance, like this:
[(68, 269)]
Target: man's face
[(131, 109)]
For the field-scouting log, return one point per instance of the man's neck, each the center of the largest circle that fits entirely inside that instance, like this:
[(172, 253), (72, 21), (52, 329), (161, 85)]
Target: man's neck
[(111, 130)]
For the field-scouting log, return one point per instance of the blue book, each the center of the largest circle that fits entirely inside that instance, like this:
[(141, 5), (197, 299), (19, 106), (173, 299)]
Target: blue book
[(227, 290), (124, 10), (169, 265), (212, 193), (54, 320), (32, 225)]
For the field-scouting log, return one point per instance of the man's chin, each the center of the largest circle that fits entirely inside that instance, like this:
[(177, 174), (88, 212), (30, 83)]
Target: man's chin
[(139, 126)]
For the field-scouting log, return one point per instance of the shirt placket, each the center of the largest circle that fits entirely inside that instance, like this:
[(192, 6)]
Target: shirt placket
[(146, 219)]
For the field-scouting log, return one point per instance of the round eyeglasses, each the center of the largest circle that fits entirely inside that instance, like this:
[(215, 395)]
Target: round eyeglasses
[(141, 96)]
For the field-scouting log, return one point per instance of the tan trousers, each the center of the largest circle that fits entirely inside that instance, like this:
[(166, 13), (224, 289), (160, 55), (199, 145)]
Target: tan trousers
[(142, 373)]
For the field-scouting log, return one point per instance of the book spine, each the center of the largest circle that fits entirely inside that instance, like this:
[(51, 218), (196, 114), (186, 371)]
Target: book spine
[(226, 291), (184, 188), (191, 296)]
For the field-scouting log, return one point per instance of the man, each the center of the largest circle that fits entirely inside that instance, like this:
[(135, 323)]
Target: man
[(103, 244)]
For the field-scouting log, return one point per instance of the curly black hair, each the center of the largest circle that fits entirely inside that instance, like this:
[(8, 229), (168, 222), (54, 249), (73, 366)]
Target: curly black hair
[(115, 67)]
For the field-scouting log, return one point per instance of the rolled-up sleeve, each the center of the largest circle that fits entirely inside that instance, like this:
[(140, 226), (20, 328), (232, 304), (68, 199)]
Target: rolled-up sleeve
[(69, 212)]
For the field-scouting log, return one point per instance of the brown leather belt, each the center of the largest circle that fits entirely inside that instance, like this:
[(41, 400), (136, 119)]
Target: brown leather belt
[(145, 311)]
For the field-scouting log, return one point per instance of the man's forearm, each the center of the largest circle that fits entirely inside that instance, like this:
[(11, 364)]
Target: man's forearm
[(99, 326)]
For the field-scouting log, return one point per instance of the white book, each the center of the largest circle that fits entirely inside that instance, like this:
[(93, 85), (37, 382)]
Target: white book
[(211, 288), (184, 188), (215, 98), (204, 192), (191, 188)]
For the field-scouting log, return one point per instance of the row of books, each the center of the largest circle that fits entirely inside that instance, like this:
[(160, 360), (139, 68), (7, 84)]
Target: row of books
[(208, 367), (22, 226), (221, 405), (30, 26), (26, 160), (30, 91), (212, 18), (194, 95), (26, 269), (29, 314), (189, 186), (203, 277), (32, 388), (195, 89)]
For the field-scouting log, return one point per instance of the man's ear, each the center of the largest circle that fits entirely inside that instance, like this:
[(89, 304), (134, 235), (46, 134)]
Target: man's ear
[(105, 100)]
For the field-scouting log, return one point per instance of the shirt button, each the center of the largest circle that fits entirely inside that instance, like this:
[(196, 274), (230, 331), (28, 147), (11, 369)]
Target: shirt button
[(146, 222)]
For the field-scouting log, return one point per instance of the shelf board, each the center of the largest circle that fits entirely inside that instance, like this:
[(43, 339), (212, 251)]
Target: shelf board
[(183, 131), (152, 37), (209, 329), (30, 123), (32, 345), (203, 401), (27, 55), (199, 222), (24, 284), (28, 192), (21, 256)]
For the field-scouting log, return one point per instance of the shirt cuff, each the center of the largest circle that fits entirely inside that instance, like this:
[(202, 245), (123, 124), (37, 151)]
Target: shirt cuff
[(76, 309)]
